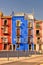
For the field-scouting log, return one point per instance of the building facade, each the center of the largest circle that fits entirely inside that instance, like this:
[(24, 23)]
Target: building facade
[(38, 35), (5, 32), (21, 32)]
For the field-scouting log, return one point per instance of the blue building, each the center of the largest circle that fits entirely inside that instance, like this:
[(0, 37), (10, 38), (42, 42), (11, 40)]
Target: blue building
[(19, 22), (20, 33)]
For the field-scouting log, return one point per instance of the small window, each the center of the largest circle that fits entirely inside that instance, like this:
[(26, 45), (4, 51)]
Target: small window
[(34, 46), (18, 32), (39, 46), (18, 46), (30, 24), (5, 39), (38, 38), (37, 25), (18, 23), (17, 40), (29, 32), (5, 46), (37, 32), (5, 30), (5, 22), (13, 47), (10, 47), (29, 46)]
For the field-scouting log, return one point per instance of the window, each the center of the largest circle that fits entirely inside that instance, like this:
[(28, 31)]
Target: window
[(5, 30), (29, 46), (39, 46), (18, 45), (34, 46), (30, 24), (18, 31), (18, 23), (5, 46), (13, 47), (5, 39), (37, 32), (5, 22), (37, 25), (17, 40), (38, 38), (10, 47), (29, 32)]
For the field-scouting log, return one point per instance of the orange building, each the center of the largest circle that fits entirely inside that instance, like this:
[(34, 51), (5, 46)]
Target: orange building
[(38, 35), (5, 32)]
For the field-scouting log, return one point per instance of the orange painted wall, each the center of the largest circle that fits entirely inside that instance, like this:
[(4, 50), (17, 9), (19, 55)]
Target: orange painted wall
[(9, 30), (34, 36)]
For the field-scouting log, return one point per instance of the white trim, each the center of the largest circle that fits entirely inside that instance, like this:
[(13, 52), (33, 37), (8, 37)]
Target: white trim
[(19, 14)]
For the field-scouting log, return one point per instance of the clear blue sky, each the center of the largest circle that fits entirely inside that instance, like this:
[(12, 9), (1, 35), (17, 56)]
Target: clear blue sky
[(7, 6)]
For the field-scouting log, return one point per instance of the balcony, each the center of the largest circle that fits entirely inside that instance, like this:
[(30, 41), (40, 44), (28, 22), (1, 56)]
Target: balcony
[(5, 40), (5, 30), (39, 41), (38, 35), (18, 40)]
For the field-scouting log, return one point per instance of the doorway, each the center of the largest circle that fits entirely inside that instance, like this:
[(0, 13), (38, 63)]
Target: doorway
[(5, 46), (29, 47), (13, 47), (34, 46)]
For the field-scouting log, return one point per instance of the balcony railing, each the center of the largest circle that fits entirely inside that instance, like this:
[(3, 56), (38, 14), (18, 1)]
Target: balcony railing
[(38, 34), (39, 41), (5, 42), (5, 30)]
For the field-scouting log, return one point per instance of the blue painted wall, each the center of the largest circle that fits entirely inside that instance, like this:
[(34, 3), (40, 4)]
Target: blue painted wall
[(24, 32)]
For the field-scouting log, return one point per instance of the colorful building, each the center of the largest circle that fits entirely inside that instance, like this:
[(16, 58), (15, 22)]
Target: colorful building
[(5, 32), (38, 35), (21, 32)]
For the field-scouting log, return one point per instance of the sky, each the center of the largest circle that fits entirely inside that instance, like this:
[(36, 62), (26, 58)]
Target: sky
[(26, 6)]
